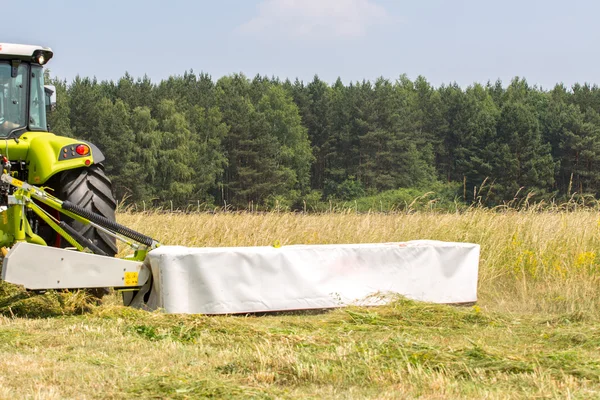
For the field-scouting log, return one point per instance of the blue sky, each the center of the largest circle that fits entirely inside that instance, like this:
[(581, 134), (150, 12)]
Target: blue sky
[(461, 41)]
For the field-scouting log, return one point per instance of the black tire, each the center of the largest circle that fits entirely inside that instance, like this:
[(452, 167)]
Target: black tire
[(90, 188)]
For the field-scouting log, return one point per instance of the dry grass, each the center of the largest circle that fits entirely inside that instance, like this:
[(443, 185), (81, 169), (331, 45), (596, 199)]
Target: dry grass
[(530, 261), (535, 332)]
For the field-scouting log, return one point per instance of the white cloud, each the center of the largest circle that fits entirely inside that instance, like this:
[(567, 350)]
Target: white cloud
[(315, 18)]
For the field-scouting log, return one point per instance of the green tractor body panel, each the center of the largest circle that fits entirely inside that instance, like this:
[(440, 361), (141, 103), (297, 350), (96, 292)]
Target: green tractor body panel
[(46, 154)]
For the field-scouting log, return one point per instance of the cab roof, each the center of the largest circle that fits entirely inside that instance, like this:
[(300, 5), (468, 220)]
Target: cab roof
[(23, 52)]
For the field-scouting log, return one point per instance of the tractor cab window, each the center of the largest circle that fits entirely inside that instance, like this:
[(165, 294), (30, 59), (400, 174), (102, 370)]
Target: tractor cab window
[(37, 106), (13, 98)]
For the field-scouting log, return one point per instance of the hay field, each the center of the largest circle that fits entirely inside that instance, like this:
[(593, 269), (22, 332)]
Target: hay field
[(535, 332)]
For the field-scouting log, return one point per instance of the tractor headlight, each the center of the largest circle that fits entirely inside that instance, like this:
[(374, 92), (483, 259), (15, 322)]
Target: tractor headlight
[(41, 56)]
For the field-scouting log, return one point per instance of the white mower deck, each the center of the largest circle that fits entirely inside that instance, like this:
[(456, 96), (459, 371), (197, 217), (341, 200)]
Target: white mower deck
[(229, 280)]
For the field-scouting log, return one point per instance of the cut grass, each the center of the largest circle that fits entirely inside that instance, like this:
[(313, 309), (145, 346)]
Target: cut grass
[(405, 349), (535, 332)]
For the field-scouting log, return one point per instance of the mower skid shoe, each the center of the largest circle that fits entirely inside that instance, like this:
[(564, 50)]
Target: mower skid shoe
[(41, 267)]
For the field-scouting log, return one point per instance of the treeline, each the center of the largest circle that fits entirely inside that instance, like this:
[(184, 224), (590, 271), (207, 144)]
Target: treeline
[(260, 142)]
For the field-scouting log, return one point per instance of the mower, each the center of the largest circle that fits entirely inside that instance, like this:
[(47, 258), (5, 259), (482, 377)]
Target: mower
[(58, 231)]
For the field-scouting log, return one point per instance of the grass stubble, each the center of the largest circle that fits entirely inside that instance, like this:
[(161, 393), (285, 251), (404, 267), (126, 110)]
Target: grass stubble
[(534, 333)]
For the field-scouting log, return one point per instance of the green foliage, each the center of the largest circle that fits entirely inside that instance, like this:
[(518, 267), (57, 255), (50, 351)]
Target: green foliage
[(261, 143), (139, 174), (58, 119), (349, 189), (524, 160), (438, 197)]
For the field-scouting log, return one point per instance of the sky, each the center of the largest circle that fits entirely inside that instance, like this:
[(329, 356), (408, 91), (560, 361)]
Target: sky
[(462, 41)]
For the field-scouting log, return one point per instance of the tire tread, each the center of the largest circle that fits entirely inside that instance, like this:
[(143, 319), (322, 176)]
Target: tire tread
[(90, 188)]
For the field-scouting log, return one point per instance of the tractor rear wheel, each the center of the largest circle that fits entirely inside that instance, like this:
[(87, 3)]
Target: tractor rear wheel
[(89, 188)]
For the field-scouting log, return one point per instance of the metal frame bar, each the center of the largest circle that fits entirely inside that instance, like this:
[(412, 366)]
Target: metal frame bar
[(50, 221), (23, 198)]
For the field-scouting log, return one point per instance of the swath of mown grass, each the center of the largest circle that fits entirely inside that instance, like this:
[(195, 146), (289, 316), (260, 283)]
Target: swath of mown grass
[(17, 302), (405, 349), (402, 343), (535, 331)]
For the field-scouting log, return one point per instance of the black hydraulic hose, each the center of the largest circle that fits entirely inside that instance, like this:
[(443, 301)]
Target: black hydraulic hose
[(107, 223), (85, 242)]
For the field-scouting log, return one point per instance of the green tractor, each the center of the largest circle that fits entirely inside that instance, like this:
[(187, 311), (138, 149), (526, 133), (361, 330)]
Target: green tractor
[(67, 168)]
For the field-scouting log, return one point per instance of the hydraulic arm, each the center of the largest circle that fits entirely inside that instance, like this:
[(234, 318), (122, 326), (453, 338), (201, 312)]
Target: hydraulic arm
[(22, 199)]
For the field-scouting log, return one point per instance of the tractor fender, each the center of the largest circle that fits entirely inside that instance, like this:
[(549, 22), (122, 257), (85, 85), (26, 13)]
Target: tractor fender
[(48, 155)]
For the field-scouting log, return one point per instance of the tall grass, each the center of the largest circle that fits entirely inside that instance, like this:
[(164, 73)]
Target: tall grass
[(530, 260)]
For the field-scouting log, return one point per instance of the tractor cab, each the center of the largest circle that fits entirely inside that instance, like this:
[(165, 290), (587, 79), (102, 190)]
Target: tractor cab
[(23, 97)]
